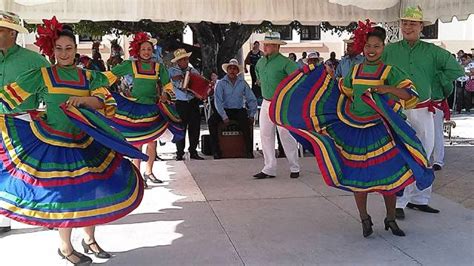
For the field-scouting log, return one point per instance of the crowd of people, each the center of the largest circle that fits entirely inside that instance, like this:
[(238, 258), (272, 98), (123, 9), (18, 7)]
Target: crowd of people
[(373, 120), (462, 98)]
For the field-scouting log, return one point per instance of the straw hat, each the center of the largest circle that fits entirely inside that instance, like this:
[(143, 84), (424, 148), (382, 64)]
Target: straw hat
[(12, 21), (179, 54), (313, 56), (350, 40), (414, 14), (153, 41), (232, 62), (273, 38)]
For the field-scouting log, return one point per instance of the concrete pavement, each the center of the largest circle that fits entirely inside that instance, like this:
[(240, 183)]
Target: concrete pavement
[(213, 213)]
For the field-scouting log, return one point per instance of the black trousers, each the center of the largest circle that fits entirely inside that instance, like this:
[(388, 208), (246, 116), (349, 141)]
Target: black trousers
[(255, 88), (463, 97), (191, 121), (238, 115)]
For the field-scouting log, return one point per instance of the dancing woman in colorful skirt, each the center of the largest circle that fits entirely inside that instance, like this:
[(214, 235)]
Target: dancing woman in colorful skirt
[(355, 127), (52, 173), (141, 117)]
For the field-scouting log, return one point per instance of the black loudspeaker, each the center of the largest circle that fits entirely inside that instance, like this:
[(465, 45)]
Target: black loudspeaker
[(206, 145)]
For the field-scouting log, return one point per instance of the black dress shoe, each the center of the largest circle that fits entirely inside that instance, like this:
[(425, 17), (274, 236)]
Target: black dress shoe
[(423, 208), (101, 254), (5, 229), (295, 175), (437, 167), (195, 156), (179, 157), (217, 156), (399, 213), (262, 175)]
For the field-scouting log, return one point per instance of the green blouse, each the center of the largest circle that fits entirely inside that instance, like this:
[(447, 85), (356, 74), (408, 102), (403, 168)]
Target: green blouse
[(55, 85), (145, 76), (364, 76)]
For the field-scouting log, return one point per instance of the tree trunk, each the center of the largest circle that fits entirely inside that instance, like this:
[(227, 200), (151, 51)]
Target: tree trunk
[(219, 43), (209, 46), (234, 38)]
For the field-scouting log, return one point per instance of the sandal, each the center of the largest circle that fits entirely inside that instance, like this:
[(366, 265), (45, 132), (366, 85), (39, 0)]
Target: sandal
[(152, 178), (100, 254), (82, 259)]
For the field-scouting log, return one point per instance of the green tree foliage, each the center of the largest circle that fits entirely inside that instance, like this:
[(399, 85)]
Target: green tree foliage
[(216, 43)]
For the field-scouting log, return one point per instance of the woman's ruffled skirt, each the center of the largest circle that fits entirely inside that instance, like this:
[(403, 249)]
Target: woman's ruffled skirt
[(143, 123), (360, 154), (57, 179)]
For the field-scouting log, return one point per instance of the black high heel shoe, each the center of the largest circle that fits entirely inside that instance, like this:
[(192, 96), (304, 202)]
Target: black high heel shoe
[(394, 227), (83, 259), (367, 226), (152, 178), (101, 254)]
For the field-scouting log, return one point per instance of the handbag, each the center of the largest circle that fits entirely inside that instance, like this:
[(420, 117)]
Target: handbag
[(469, 85)]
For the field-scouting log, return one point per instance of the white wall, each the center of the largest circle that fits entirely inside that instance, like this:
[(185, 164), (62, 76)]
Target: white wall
[(188, 36)]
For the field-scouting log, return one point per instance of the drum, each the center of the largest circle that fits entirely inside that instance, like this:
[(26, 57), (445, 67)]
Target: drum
[(196, 84)]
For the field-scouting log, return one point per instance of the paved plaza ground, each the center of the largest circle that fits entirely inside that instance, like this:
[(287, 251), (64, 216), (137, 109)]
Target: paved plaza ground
[(213, 213)]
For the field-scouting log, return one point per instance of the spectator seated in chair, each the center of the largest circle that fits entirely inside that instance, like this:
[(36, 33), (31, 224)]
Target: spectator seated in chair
[(229, 96)]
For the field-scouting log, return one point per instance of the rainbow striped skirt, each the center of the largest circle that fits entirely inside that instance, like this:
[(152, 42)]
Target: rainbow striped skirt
[(380, 153), (143, 123), (58, 179)]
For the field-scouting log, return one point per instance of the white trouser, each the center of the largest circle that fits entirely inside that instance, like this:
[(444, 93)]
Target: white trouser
[(438, 151), (422, 121), (267, 136), (4, 221)]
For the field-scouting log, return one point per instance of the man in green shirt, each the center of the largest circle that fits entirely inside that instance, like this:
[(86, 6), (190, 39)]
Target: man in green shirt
[(424, 62), (14, 60), (271, 70)]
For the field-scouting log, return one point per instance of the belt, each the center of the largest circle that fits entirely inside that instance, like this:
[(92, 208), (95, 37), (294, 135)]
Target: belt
[(443, 106), (427, 103)]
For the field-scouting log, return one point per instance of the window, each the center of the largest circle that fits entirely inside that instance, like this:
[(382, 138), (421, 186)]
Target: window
[(309, 33), (430, 32), (89, 38), (286, 33)]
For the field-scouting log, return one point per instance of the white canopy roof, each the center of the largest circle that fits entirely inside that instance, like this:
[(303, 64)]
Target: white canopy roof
[(245, 11)]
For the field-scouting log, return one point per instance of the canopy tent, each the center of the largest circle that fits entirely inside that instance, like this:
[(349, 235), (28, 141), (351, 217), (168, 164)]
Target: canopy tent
[(308, 12)]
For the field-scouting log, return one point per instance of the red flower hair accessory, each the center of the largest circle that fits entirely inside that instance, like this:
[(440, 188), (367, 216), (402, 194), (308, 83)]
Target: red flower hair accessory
[(138, 39), (360, 35), (47, 35)]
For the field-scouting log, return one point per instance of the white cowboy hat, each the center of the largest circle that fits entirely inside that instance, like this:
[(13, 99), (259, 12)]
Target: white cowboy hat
[(12, 21), (273, 38), (179, 54), (232, 62), (313, 56)]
